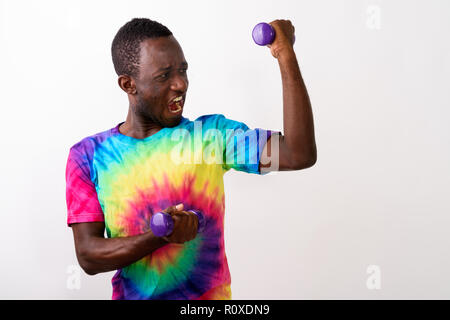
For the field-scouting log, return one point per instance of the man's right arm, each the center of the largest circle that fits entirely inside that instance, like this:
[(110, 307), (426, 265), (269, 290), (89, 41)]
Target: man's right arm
[(97, 254)]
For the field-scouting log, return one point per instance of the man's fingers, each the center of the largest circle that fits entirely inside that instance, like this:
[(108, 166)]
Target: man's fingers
[(174, 209), (189, 221), (185, 224)]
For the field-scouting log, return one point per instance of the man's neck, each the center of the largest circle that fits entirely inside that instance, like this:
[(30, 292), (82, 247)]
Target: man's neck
[(138, 128)]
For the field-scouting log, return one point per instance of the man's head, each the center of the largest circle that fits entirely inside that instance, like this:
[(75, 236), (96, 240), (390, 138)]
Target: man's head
[(152, 70)]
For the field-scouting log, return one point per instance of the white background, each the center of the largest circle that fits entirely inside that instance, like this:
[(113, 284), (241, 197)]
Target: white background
[(378, 76)]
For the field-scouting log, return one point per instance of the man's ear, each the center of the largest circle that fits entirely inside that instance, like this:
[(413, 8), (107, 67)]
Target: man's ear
[(127, 84)]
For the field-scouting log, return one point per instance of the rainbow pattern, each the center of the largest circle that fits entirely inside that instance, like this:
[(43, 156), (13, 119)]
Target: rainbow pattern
[(122, 181)]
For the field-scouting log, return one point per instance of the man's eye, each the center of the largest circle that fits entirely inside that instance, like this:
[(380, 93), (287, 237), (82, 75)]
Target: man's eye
[(183, 70)]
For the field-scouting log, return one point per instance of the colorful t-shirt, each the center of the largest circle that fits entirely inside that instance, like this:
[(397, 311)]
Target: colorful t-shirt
[(123, 181)]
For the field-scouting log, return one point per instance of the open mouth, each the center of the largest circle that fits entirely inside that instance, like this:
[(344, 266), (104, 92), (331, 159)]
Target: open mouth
[(176, 105)]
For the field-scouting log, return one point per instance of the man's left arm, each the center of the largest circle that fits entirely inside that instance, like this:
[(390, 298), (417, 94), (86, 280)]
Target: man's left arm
[(296, 149)]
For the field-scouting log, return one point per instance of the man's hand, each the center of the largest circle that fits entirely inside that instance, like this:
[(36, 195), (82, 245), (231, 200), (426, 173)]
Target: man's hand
[(284, 37), (185, 224)]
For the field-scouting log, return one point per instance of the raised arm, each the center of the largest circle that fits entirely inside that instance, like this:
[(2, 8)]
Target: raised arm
[(297, 147)]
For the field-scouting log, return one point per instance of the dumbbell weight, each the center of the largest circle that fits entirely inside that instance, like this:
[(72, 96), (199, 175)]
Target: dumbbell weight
[(161, 223), (264, 34)]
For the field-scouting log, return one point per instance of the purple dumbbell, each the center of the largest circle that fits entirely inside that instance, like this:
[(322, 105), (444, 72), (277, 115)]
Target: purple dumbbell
[(162, 223), (264, 34)]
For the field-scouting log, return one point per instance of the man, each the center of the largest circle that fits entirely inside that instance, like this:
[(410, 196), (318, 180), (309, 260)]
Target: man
[(158, 160)]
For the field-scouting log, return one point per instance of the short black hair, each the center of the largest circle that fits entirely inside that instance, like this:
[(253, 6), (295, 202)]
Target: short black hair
[(125, 48)]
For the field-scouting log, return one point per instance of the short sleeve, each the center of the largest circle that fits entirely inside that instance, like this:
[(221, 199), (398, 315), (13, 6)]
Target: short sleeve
[(81, 195), (242, 146)]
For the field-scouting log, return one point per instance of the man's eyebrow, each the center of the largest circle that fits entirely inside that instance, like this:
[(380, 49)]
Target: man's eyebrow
[(164, 69), (183, 64)]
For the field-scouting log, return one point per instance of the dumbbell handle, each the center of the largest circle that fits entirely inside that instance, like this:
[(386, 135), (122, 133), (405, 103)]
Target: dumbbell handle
[(264, 34), (162, 223)]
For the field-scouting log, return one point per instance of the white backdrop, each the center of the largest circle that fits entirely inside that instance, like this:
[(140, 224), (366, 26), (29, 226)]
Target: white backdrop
[(378, 76)]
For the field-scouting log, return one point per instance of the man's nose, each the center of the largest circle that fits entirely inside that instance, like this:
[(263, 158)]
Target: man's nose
[(179, 83)]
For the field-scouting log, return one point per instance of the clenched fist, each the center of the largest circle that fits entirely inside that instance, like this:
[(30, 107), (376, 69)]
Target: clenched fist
[(185, 224), (284, 37)]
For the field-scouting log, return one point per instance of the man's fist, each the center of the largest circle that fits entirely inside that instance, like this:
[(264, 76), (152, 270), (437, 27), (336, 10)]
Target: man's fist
[(185, 224), (284, 37)]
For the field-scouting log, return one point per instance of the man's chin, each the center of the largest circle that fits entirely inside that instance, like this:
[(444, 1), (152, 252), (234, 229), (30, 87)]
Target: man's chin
[(173, 122)]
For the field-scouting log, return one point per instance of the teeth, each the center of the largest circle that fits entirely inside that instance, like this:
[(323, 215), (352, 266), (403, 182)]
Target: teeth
[(178, 109), (177, 102)]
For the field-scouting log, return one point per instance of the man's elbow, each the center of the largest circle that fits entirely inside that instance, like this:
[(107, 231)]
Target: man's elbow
[(83, 260), (88, 270), (304, 162)]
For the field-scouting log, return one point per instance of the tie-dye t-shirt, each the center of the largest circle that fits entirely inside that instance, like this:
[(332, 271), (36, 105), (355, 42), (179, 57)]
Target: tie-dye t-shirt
[(123, 181)]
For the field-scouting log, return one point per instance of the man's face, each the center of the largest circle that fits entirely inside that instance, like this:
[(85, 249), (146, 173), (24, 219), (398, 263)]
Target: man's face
[(162, 78)]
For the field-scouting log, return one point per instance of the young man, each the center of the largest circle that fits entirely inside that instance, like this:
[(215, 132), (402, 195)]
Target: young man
[(158, 160)]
